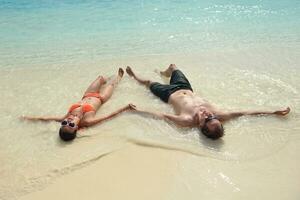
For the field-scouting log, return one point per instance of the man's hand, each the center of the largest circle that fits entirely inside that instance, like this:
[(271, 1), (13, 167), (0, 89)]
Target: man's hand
[(283, 112)]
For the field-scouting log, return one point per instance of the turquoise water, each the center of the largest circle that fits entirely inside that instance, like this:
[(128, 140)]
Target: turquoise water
[(237, 54), (62, 32)]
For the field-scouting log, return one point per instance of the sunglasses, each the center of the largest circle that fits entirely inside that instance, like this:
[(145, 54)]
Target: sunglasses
[(65, 123), (209, 118)]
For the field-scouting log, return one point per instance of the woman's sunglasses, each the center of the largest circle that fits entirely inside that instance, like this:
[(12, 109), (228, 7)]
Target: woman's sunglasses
[(65, 123)]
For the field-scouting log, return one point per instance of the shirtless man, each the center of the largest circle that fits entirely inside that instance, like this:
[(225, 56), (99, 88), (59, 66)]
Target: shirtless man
[(191, 110)]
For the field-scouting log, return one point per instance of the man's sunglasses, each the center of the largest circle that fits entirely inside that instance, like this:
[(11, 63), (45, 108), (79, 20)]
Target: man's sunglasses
[(209, 118), (65, 123)]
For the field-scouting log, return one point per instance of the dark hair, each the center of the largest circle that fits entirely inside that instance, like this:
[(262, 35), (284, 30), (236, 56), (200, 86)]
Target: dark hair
[(66, 135), (214, 134)]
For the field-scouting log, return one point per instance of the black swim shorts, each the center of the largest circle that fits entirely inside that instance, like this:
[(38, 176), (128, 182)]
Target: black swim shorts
[(177, 82)]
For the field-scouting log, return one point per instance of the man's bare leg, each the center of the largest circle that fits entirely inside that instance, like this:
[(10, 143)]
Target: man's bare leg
[(169, 70), (140, 80), (108, 90)]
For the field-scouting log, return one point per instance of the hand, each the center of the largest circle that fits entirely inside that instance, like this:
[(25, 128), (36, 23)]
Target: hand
[(132, 106), (23, 117), (283, 112)]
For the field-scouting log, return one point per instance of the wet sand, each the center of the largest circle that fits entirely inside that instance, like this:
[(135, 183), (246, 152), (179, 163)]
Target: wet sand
[(256, 159), (136, 172)]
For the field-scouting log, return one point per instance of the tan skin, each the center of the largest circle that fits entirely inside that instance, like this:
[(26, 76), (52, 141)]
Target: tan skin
[(88, 119), (192, 110)]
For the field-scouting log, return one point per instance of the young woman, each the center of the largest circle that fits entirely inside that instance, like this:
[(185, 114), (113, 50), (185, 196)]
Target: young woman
[(82, 113)]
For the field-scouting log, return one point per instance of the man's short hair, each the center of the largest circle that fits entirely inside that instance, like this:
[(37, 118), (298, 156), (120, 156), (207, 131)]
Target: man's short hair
[(217, 132)]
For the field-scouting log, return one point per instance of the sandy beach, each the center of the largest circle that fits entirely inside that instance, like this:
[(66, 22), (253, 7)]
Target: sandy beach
[(136, 172), (238, 55), (137, 157)]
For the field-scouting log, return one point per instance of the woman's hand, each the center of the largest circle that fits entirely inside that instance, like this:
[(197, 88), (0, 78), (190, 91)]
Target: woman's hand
[(23, 117), (131, 106), (282, 112)]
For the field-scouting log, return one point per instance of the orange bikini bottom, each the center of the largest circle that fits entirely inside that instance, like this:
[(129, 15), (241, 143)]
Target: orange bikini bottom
[(92, 94)]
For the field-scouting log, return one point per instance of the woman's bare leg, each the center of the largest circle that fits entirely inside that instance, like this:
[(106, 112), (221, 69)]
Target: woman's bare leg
[(169, 70), (140, 80), (96, 84), (108, 90)]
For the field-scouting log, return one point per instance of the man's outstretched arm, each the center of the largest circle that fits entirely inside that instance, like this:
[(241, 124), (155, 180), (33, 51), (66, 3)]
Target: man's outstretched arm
[(181, 121), (224, 116)]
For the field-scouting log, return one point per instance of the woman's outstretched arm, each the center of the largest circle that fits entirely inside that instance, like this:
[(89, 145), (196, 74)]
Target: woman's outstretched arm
[(95, 121), (43, 118)]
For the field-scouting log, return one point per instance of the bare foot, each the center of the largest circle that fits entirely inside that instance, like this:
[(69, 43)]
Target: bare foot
[(169, 70), (121, 72), (129, 71), (142, 81)]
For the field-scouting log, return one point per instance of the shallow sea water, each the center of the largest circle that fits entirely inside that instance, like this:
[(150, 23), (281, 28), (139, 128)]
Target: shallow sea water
[(239, 55)]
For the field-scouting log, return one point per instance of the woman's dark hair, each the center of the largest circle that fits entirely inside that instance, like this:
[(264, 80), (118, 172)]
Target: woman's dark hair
[(214, 134), (67, 135)]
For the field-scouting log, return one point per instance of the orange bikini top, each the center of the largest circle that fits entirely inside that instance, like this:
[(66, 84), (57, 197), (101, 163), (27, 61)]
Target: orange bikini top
[(85, 107)]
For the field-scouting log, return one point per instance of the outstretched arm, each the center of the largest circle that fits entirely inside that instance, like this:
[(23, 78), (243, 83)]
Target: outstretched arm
[(45, 118), (110, 116), (174, 118), (230, 115)]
